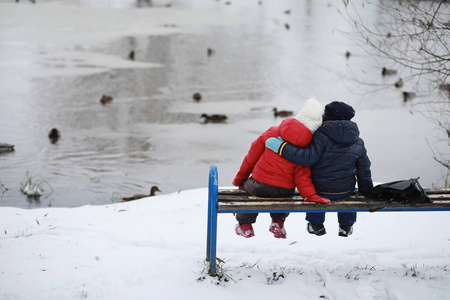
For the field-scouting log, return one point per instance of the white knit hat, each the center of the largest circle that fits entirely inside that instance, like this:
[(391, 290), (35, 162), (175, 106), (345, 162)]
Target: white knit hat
[(311, 114)]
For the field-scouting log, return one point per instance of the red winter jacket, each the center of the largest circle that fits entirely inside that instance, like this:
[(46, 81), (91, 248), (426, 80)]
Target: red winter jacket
[(270, 168)]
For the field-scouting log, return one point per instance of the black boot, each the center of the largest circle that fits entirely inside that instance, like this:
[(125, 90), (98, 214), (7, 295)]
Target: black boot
[(345, 230), (317, 229)]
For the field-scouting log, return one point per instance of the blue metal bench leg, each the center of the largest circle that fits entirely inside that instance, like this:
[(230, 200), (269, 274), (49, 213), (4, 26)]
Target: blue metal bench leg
[(211, 243)]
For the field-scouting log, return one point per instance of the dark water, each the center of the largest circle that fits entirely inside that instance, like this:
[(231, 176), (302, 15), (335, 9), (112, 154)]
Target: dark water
[(109, 151)]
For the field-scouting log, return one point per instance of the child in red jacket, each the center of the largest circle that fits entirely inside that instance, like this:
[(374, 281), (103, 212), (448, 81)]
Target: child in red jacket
[(273, 176)]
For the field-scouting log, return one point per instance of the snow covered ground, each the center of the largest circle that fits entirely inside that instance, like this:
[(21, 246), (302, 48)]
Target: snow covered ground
[(154, 248)]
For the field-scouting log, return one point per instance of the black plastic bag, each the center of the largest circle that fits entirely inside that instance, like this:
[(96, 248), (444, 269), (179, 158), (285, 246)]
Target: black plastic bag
[(404, 191)]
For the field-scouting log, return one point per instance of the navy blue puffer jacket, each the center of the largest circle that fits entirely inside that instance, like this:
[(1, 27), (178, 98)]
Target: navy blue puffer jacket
[(337, 157)]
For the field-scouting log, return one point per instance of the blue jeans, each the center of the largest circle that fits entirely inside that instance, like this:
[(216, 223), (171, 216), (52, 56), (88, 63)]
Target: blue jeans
[(344, 218)]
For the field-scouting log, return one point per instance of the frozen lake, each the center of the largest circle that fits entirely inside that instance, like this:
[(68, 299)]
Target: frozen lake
[(57, 59)]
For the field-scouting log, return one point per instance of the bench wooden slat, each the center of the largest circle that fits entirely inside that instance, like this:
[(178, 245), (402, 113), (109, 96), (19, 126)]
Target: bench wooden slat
[(439, 196), (335, 206), (437, 191), (237, 192), (443, 203), (246, 197)]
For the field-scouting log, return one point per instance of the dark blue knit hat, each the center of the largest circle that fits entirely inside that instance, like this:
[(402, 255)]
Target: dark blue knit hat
[(338, 111)]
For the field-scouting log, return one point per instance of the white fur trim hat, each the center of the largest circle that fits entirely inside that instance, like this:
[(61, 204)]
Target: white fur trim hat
[(311, 114)]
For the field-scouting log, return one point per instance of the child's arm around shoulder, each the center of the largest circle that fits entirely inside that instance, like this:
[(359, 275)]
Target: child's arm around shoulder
[(301, 156)]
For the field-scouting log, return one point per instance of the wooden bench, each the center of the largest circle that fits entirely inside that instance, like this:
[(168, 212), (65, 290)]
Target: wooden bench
[(239, 201)]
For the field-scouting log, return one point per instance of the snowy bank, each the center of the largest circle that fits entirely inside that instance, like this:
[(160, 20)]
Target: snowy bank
[(154, 248)]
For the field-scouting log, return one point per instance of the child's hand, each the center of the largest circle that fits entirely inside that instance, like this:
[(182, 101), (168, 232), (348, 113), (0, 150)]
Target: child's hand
[(274, 144), (317, 199)]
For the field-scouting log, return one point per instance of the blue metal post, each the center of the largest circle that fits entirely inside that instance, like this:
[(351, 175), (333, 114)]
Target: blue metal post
[(211, 243), (208, 237)]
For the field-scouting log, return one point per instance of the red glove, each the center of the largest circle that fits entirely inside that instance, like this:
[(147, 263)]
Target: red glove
[(317, 199), (236, 182)]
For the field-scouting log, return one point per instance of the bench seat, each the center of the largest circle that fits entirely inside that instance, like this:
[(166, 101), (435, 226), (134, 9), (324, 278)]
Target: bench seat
[(235, 200), (239, 201)]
